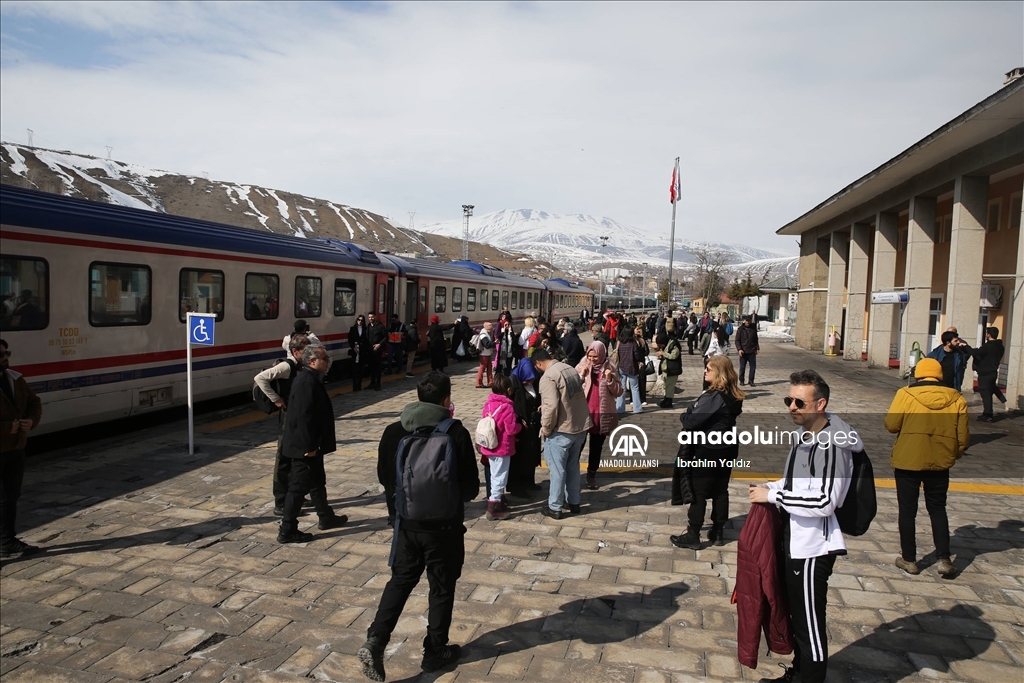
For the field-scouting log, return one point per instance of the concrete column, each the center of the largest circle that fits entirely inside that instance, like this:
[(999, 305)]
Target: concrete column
[(811, 296), (920, 253), (1013, 335), (857, 290), (839, 252), (966, 258), (883, 271)]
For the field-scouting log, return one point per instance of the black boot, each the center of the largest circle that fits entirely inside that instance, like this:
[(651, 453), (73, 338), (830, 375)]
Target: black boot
[(716, 535), (371, 654), (691, 539)]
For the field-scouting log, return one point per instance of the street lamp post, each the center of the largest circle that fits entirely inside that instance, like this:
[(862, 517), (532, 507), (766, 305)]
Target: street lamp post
[(467, 211)]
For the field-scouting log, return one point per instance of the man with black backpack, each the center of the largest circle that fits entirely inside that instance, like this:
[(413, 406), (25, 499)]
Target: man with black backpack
[(818, 473), (275, 383), (427, 465)]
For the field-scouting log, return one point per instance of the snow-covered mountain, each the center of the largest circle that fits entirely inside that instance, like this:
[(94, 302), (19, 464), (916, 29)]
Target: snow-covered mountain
[(573, 241)]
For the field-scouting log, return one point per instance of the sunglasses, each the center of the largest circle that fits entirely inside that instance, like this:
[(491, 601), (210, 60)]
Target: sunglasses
[(800, 403)]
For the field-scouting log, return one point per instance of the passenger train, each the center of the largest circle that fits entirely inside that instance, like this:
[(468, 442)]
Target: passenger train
[(95, 298)]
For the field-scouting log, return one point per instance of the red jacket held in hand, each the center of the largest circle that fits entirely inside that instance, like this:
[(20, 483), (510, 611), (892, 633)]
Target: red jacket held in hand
[(760, 594)]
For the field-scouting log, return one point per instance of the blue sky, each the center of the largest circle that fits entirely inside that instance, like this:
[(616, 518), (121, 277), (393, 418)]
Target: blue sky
[(562, 107)]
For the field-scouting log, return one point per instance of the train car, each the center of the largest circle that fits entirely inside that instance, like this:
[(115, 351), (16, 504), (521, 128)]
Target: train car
[(95, 298)]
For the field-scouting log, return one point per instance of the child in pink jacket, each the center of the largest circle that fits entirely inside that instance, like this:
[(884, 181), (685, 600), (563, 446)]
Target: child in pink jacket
[(499, 406)]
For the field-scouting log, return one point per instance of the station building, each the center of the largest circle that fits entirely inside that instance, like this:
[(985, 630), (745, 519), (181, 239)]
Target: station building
[(931, 239)]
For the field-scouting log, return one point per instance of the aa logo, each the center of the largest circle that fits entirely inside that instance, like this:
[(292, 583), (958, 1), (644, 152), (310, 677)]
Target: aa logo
[(629, 441)]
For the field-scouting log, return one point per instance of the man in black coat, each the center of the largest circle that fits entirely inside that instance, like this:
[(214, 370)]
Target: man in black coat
[(748, 347), (986, 364), (437, 546), (377, 336), (572, 345), (308, 436)]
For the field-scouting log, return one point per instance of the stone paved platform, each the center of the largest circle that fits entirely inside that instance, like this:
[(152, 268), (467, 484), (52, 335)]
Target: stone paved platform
[(163, 567)]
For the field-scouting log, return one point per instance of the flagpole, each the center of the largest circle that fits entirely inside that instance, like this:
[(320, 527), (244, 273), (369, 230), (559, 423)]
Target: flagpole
[(672, 238)]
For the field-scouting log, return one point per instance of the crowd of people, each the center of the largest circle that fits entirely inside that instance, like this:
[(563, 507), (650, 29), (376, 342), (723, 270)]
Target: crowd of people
[(550, 394)]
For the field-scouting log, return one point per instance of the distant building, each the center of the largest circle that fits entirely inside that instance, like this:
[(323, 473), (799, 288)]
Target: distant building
[(939, 224)]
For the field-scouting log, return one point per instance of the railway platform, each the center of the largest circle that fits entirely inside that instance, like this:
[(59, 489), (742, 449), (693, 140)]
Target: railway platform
[(162, 567)]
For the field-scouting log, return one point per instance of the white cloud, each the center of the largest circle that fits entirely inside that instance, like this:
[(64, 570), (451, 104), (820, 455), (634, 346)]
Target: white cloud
[(563, 107)]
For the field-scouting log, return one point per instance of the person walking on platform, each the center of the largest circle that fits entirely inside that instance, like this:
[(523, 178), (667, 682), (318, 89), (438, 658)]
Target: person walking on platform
[(411, 342), (308, 436), (359, 349), (396, 344), (485, 344), (818, 471), (670, 352), (508, 348), (564, 422), (572, 345), (435, 343), (601, 386), (986, 363), (437, 546), (715, 411), (282, 374), (930, 421), (748, 346), (523, 468), (20, 412), (377, 336)]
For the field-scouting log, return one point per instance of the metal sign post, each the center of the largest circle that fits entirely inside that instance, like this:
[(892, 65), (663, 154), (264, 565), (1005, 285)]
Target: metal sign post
[(199, 327)]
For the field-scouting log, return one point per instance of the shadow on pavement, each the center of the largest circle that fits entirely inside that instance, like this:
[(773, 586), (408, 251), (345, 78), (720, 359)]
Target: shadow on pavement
[(928, 641)]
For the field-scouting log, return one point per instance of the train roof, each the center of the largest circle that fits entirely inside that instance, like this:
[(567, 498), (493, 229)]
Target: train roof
[(43, 210), (47, 211)]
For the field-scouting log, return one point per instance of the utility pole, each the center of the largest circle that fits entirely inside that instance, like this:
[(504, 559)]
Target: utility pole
[(29, 130), (412, 220), (467, 211), (643, 295), (604, 243), (109, 150)]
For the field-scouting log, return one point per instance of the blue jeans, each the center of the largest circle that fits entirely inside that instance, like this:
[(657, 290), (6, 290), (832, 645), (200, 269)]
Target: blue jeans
[(562, 454), (629, 383)]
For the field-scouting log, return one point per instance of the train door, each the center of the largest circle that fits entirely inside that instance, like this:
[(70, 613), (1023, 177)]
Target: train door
[(545, 305), (380, 301)]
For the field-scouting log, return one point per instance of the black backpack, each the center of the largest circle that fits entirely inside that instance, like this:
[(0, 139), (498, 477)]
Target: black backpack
[(426, 481), (859, 508), (281, 386)]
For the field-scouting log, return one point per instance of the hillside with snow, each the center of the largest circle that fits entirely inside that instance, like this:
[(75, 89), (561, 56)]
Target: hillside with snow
[(573, 241)]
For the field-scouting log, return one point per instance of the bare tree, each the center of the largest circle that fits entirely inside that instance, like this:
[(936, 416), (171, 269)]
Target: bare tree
[(708, 279)]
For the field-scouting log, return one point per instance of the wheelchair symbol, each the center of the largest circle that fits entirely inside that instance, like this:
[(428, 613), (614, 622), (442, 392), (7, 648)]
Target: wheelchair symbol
[(202, 330)]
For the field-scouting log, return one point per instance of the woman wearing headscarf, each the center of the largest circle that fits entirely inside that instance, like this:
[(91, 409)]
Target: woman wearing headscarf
[(602, 386), (525, 462), (715, 410), (508, 348), (435, 343)]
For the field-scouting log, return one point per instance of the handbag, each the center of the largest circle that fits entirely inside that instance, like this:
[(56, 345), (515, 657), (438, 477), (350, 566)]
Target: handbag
[(461, 351), (648, 368)]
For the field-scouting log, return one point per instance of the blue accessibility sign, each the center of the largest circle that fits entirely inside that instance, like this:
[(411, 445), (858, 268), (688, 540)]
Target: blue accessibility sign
[(200, 329)]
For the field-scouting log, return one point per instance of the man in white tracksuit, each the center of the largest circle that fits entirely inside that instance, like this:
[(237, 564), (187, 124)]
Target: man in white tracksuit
[(817, 478)]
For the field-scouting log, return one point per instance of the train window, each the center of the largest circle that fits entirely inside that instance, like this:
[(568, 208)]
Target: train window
[(504, 298), (423, 299), (25, 286), (522, 299), (382, 300), (515, 301), (483, 299), (470, 299), (120, 294), (308, 297), (200, 291), (529, 300), (344, 297), (456, 299), (494, 299), (440, 299), (261, 292)]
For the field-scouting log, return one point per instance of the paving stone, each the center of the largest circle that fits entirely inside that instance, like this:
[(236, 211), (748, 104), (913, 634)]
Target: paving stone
[(38, 673), (136, 664)]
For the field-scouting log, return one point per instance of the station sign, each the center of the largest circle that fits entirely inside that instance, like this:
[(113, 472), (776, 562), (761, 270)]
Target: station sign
[(890, 297)]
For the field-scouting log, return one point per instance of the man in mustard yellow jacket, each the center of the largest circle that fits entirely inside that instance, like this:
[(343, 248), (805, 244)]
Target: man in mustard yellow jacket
[(930, 421)]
